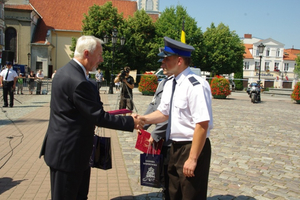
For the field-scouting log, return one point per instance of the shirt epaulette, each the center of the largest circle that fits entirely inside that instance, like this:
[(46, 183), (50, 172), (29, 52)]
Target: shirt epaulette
[(193, 81)]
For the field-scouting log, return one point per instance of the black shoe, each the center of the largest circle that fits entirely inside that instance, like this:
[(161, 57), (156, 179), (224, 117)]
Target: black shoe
[(5, 106), (11, 106)]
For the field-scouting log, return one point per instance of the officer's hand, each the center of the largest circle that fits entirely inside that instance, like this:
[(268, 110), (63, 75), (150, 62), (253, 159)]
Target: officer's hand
[(189, 167)]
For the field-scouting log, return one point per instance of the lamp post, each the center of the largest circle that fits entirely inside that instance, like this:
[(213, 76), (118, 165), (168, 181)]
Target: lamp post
[(261, 48), (28, 68), (114, 39)]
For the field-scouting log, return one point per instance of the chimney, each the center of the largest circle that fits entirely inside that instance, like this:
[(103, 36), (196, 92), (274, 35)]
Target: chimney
[(249, 36)]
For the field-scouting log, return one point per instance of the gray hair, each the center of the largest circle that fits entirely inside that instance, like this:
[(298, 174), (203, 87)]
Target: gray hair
[(86, 42)]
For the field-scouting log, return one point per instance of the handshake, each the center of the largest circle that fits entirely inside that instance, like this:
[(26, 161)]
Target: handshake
[(139, 121)]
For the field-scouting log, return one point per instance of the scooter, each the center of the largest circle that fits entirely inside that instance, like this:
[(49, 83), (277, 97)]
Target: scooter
[(254, 92)]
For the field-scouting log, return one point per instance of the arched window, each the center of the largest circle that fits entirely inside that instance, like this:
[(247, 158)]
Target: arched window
[(149, 4), (11, 40)]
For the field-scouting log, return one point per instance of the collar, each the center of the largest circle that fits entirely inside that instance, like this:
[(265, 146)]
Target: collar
[(182, 75), (84, 70)]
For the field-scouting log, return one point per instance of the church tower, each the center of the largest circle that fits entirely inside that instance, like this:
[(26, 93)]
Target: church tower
[(150, 6)]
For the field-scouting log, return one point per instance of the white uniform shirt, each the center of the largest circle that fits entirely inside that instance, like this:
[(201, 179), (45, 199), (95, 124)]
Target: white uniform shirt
[(191, 105), (11, 76)]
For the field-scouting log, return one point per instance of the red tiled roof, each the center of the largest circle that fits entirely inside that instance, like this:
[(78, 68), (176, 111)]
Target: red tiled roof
[(247, 54), (154, 17), (18, 7), (68, 14), (291, 54)]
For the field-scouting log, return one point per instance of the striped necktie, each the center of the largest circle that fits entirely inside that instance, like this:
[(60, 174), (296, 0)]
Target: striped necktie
[(168, 131)]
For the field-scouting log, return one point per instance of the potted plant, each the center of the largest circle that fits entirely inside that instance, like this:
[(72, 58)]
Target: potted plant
[(220, 87), (296, 93), (148, 84)]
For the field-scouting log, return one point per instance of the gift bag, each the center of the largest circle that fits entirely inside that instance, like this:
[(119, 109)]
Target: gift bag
[(150, 167), (101, 153)]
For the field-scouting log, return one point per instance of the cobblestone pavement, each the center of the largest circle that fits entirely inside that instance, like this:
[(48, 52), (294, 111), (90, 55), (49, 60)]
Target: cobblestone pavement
[(255, 147)]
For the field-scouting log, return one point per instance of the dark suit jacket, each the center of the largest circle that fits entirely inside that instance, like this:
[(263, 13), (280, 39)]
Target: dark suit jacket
[(75, 110), (160, 130)]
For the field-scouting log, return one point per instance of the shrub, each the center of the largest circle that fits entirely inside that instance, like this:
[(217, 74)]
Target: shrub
[(296, 92), (220, 87), (148, 83)]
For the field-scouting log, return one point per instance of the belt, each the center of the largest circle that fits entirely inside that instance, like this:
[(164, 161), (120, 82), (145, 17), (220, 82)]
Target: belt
[(181, 142), (8, 81)]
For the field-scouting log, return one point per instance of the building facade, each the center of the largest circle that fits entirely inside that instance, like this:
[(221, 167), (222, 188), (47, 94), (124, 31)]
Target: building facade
[(277, 63)]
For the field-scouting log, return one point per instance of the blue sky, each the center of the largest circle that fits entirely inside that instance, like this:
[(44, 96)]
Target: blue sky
[(276, 19)]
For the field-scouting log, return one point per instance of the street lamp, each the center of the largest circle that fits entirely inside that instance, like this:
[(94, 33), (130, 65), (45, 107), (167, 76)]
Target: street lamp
[(261, 48), (114, 39), (28, 68)]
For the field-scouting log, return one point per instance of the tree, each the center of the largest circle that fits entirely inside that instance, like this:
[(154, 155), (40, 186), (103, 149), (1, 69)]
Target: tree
[(297, 67), (100, 21), (170, 24), (139, 31), (224, 50)]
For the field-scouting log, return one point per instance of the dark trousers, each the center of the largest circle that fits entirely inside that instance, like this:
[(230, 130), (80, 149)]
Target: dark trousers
[(98, 85), (8, 90), (69, 185), (164, 177), (38, 87), (188, 188)]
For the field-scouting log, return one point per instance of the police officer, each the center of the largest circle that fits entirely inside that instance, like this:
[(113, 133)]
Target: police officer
[(8, 79), (186, 104)]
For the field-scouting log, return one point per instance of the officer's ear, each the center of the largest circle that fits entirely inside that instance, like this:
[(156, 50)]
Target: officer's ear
[(180, 60)]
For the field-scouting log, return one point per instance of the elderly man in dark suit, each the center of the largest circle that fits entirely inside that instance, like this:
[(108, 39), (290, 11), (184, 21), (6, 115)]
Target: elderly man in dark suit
[(75, 111)]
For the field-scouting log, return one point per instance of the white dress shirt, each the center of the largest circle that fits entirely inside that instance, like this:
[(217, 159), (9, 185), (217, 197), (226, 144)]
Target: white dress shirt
[(191, 105)]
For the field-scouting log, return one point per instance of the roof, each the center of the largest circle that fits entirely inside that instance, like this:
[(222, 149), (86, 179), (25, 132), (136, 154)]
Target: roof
[(18, 7), (247, 54), (291, 54), (68, 14)]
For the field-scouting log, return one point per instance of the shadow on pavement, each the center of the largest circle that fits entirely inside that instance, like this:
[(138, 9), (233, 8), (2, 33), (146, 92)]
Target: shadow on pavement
[(230, 197), (7, 121), (8, 183), (149, 196)]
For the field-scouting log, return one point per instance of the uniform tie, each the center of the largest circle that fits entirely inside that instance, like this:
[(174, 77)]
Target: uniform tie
[(7, 74), (168, 131)]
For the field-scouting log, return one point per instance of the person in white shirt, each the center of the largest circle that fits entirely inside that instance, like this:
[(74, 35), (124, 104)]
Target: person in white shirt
[(8, 79), (40, 77), (186, 104)]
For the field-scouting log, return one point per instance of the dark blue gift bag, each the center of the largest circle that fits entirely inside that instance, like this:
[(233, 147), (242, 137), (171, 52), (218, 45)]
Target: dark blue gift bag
[(150, 166), (101, 154)]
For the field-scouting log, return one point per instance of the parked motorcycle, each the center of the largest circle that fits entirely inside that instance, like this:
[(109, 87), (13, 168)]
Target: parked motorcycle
[(254, 92)]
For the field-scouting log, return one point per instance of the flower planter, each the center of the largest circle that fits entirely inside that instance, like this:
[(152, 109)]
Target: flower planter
[(148, 93), (297, 101), (219, 96)]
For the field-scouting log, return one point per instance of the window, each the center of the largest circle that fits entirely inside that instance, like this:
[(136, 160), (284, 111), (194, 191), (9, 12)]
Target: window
[(267, 66), (39, 65), (256, 66), (278, 53), (286, 67), (149, 5), (246, 66), (276, 67), (268, 52), (11, 40)]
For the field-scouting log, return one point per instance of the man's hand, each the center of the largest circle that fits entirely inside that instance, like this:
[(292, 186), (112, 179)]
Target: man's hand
[(189, 167), (139, 121)]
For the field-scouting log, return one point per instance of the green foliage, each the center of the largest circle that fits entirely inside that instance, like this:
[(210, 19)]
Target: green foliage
[(170, 24), (139, 31), (238, 83), (297, 67), (224, 50), (73, 46)]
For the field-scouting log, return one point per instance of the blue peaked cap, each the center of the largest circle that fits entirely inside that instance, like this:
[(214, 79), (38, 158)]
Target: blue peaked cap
[(173, 47)]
